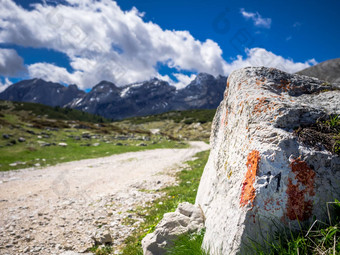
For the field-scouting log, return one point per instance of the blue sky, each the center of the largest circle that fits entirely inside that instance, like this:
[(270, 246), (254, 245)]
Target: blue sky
[(133, 40), (311, 27)]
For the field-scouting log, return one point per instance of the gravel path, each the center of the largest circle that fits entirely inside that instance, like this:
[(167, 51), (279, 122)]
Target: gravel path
[(68, 206)]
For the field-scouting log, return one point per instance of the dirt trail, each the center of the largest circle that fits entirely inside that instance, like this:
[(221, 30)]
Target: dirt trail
[(59, 208)]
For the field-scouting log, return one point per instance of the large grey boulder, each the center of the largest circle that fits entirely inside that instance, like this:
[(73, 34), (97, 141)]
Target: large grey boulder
[(258, 171), (187, 218)]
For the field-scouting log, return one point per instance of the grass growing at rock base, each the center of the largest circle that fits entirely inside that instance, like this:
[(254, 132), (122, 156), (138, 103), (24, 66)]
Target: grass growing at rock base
[(189, 244), (101, 250), (319, 238), (186, 190)]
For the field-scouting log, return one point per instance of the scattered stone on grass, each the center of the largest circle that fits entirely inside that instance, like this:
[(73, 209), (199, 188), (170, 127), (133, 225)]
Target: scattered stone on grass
[(21, 139), (187, 218)]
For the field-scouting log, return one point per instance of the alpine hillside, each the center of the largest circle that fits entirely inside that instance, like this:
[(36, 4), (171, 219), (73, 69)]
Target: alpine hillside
[(327, 71)]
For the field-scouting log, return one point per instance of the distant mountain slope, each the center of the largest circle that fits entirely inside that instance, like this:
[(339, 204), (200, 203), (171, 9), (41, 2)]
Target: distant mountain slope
[(49, 112), (327, 71), (43, 92), (204, 92), (139, 99)]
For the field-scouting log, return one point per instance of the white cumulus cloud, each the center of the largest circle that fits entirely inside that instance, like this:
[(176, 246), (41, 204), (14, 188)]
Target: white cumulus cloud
[(11, 64), (50, 72), (183, 80), (262, 57), (104, 42), (257, 18)]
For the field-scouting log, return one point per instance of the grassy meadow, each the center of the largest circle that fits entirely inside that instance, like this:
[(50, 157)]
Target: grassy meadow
[(35, 135)]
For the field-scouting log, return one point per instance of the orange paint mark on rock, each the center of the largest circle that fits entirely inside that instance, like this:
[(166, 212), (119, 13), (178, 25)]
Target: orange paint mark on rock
[(304, 174), (248, 190), (297, 206)]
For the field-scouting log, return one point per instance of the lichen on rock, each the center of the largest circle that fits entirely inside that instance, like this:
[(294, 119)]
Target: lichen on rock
[(270, 174)]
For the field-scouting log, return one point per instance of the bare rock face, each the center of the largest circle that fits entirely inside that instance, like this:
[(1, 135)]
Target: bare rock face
[(187, 218), (259, 171)]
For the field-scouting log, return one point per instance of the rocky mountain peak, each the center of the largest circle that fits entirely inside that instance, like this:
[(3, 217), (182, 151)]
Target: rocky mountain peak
[(137, 99), (202, 79), (40, 91), (105, 86), (73, 87)]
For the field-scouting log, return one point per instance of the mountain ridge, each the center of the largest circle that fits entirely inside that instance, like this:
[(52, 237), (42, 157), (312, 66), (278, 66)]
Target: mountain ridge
[(41, 91), (328, 71), (144, 98), (149, 97)]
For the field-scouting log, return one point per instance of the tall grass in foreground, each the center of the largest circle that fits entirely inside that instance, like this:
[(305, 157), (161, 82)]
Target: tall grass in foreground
[(189, 244), (320, 238)]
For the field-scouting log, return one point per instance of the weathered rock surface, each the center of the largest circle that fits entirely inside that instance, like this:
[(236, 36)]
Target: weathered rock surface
[(187, 218), (258, 171)]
